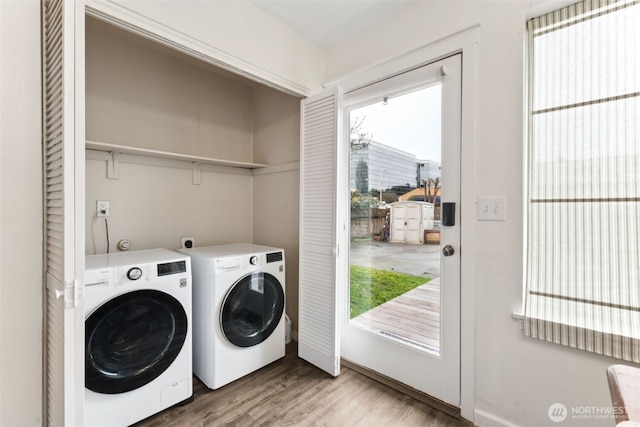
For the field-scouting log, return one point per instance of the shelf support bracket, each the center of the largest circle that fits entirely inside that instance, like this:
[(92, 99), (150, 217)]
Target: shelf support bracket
[(113, 165), (195, 175)]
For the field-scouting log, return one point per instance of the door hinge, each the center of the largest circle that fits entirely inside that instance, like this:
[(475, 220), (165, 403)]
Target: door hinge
[(72, 293)]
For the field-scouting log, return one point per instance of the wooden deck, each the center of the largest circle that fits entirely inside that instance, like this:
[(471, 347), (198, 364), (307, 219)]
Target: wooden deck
[(412, 318)]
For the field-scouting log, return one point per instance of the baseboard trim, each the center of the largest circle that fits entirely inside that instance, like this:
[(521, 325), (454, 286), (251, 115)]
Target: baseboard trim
[(405, 389), (487, 419)]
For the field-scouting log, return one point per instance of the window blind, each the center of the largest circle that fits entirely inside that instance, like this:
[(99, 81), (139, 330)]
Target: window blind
[(583, 178)]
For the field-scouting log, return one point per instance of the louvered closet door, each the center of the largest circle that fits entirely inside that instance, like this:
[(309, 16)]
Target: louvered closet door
[(318, 341), (63, 135)]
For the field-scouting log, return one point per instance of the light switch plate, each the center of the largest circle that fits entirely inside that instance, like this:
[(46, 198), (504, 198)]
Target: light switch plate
[(492, 208)]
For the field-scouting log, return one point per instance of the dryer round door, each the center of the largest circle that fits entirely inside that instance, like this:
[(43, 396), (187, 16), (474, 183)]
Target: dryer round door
[(252, 309), (132, 339)]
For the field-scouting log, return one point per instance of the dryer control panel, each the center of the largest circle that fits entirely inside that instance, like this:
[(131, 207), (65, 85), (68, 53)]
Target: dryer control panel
[(274, 257), (228, 264)]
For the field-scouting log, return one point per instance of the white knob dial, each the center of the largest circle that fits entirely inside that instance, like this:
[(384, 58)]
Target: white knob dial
[(134, 273)]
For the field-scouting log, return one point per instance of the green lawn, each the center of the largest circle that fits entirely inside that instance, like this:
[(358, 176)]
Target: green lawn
[(371, 287)]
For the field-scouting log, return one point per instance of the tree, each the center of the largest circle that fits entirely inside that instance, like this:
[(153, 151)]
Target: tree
[(430, 196), (358, 138)]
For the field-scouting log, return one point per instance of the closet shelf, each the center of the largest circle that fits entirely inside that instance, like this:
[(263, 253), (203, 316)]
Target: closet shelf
[(122, 149)]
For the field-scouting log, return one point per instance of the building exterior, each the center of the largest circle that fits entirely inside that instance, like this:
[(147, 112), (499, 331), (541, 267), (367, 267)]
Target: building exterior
[(428, 169), (379, 166)]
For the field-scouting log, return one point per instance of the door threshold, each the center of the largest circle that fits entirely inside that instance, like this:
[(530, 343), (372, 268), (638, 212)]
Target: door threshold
[(405, 389)]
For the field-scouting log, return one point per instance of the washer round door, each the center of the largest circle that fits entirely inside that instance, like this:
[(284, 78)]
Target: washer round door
[(131, 340), (252, 309)]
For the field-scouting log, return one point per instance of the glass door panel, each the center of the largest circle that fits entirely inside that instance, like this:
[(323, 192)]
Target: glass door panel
[(394, 169), (402, 302)]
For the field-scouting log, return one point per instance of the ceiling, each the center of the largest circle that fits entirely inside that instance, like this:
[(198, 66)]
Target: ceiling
[(328, 22)]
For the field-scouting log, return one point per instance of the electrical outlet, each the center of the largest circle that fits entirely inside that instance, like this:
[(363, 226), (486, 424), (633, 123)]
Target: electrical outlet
[(102, 209), (188, 242)]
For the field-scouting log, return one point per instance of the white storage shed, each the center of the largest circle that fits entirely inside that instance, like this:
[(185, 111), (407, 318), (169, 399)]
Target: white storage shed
[(409, 220)]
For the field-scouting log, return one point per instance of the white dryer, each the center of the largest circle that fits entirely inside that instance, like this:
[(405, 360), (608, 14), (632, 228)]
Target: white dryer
[(138, 352), (238, 312)]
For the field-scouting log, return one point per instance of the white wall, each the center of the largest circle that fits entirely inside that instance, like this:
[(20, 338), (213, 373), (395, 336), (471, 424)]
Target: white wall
[(20, 215), (517, 378)]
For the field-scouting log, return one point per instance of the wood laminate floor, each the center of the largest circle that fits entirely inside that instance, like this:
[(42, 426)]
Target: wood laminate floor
[(292, 392)]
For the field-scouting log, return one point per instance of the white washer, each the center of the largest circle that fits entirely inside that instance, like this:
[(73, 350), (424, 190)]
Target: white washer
[(238, 312), (138, 346)]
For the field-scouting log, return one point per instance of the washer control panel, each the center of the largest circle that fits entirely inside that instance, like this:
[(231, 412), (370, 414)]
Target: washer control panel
[(98, 277), (137, 268), (132, 273)]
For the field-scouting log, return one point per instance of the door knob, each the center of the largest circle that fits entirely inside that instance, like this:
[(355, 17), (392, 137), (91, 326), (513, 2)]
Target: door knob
[(447, 250)]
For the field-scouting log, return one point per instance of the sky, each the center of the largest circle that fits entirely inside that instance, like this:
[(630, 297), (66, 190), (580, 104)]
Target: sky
[(408, 122)]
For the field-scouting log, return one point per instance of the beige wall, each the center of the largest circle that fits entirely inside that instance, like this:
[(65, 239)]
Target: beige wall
[(276, 192), (20, 216), (237, 33), (516, 378), (154, 206), (141, 95)]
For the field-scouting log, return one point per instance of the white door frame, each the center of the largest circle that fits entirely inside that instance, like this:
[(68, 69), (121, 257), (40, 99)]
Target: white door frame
[(465, 42)]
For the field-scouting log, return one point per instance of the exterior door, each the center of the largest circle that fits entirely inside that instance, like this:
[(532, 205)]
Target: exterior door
[(63, 146), (413, 337)]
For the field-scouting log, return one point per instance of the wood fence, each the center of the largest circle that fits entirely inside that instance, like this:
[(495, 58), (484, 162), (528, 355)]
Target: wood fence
[(368, 222)]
